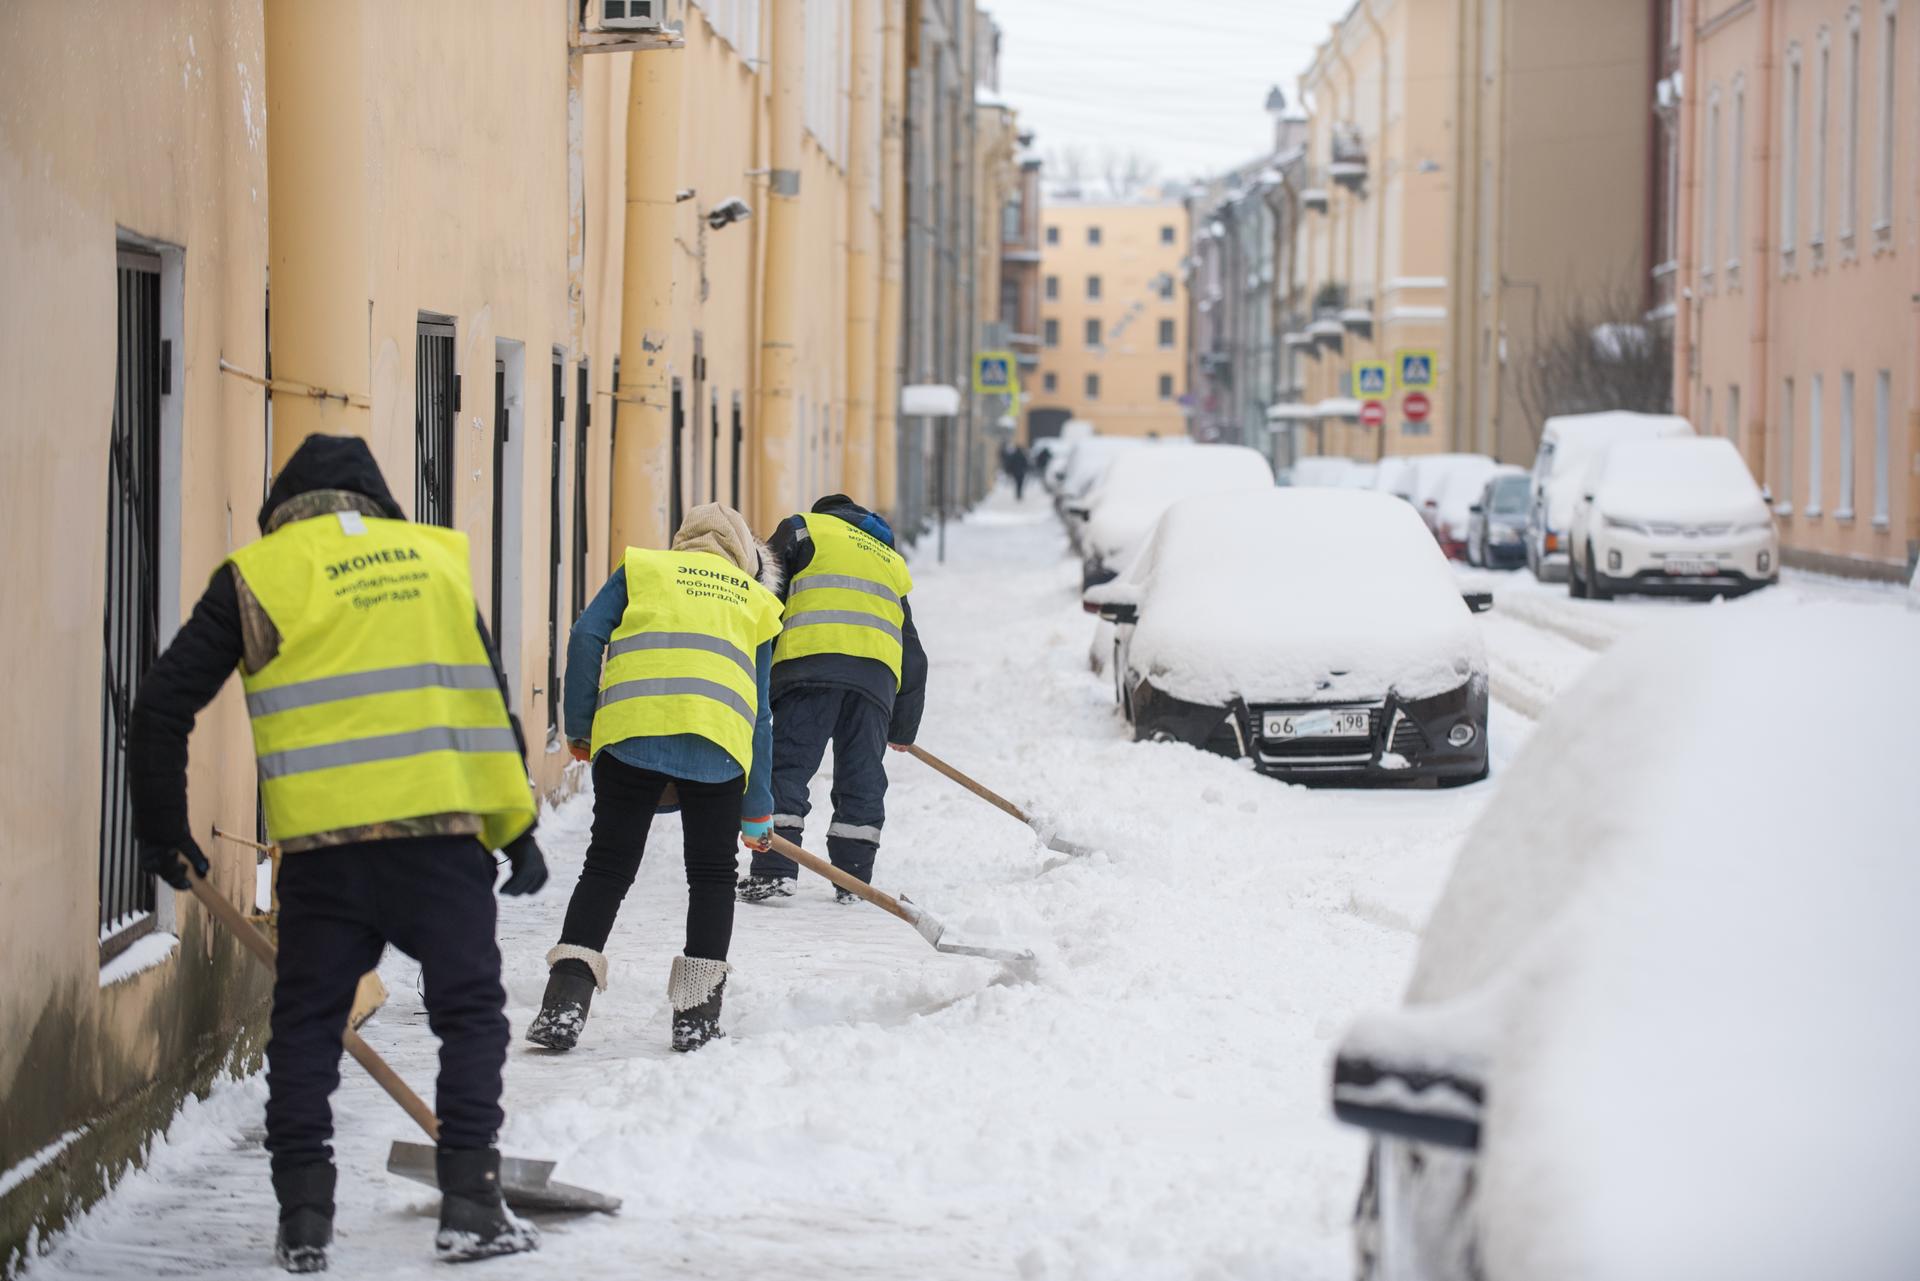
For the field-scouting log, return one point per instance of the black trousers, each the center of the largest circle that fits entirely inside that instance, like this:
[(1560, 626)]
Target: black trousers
[(431, 897), (805, 720), (624, 801)]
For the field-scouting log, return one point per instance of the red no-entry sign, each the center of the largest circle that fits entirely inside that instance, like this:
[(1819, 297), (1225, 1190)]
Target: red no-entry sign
[(1373, 414), (1416, 406)]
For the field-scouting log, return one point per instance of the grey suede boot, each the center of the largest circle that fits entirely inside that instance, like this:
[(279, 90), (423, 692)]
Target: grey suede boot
[(695, 988)]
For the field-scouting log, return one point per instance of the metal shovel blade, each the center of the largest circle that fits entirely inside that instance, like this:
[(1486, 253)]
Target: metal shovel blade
[(934, 931), (1060, 845), (526, 1185)]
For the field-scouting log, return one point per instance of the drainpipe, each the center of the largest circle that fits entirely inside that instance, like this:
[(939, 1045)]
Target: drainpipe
[(1683, 276), (1759, 374), (1379, 337), (893, 228), (641, 484), (862, 266), (780, 328), (317, 220), (1913, 389)]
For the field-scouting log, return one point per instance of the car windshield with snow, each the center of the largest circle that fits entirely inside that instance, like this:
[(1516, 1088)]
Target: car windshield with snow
[(1140, 485), (1317, 632)]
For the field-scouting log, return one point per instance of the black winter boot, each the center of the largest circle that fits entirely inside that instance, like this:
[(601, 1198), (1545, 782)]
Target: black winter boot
[(305, 1193), (695, 988), (758, 889), (474, 1221), (576, 973)]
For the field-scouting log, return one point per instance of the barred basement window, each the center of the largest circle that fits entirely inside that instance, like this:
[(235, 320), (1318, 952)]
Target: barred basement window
[(434, 407), (132, 630)]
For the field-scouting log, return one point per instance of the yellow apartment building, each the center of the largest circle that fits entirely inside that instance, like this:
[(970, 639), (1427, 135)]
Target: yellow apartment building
[(1113, 341)]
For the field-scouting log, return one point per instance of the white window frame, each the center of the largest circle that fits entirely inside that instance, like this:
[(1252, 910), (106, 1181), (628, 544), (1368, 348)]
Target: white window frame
[(1845, 510), (1887, 128), (1816, 444), (1737, 181), (1783, 492), (1733, 413), (1882, 432), (1850, 161), (1706, 406), (1710, 211), (1822, 115), (1790, 161)]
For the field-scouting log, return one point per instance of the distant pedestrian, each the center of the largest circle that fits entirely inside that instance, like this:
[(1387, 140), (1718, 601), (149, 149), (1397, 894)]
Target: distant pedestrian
[(389, 767), (848, 669), (1014, 461), (667, 675)]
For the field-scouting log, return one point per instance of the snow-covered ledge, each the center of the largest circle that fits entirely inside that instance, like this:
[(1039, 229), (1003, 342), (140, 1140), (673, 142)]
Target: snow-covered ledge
[(155, 949)]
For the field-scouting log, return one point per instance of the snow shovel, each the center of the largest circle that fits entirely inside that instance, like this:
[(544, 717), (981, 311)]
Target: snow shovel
[(930, 926), (993, 798), (527, 1185)]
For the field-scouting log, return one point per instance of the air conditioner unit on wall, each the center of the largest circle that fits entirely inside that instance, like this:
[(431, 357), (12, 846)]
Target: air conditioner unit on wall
[(637, 15)]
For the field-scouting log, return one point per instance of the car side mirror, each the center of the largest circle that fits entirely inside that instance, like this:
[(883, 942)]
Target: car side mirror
[(1416, 1073), (1475, 509), (1478, 602), (1766, 494), (1113, 600), (1078, 512), (1587, 497)]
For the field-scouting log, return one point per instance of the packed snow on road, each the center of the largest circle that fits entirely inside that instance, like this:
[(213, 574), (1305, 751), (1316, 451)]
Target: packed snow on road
[(1152, 1103)]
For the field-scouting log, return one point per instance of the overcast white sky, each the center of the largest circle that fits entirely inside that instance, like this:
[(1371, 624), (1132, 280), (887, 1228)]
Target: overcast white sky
[(1184, 81)]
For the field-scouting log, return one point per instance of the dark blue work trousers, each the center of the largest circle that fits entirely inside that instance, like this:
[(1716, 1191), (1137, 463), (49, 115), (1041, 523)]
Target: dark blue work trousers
[(805, 720)]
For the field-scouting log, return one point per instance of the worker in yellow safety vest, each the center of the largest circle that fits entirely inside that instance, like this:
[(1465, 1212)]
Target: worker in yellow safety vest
[(389, 768), (666, 695)]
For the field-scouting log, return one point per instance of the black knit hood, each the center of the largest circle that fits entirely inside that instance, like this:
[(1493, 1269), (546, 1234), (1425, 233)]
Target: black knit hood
[(330, 462)]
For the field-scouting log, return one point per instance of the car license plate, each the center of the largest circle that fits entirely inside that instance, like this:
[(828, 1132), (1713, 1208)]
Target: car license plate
[(1691, 568), (1324, 722)]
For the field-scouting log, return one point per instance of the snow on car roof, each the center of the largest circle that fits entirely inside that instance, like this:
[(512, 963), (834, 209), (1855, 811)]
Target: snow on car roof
[(1299, 593), (1690, 907), (1431, 472), (1087, 458), (1700, 478), (1570, 442), (1139, 486)]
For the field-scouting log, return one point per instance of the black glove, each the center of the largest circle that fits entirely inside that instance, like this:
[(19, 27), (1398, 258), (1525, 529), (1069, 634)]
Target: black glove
[(529, 866), (162, 859)]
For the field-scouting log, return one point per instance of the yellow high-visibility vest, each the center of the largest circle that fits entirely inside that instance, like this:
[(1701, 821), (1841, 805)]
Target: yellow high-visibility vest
[(847, 599), (682, 659), (381, 703)]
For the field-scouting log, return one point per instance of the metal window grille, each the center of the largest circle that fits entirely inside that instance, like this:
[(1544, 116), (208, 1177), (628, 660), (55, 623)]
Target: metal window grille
[(677, 508), (132, 623), (500, 429), (713, 452), (433, 412), (739, 435), (557, 441), (582, 428)]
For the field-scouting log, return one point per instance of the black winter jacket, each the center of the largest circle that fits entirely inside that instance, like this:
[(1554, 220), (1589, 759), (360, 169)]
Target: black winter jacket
[(867, 677)]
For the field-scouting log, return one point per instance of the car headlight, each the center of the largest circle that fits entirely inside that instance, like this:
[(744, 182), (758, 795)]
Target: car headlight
[(1632, 527), (1505, 534)]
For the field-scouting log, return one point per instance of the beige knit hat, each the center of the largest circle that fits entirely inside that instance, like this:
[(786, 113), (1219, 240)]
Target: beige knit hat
[(720, 530)]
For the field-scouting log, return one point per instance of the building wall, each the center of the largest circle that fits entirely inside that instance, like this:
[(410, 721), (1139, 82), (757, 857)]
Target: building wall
[(1128, 361), (1020, 265), (1817, 284)]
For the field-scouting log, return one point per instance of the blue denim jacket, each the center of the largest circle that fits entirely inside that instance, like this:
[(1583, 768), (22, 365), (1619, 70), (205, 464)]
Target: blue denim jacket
[(688, 756)]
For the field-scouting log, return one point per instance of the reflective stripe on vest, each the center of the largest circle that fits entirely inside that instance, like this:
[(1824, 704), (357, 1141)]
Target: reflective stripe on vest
[(681, 660), (381, 703), (849, 598)]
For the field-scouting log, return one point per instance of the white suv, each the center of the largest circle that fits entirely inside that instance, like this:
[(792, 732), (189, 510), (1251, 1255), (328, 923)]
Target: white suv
[(1681, 516)]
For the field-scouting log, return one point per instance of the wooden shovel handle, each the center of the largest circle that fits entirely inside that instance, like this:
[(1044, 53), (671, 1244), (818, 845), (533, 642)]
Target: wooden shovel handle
[(984, 793), (363, 1054), (846, 881)]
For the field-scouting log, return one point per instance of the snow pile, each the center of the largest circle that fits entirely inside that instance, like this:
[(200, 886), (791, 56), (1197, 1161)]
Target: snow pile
[(1691, 904), (1700, 480), (1141, 485), (1314, 594), (1569, 443)]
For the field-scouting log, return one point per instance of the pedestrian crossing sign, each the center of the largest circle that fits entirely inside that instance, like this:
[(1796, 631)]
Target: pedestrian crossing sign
[(1371, 379), (1416, 369), (995, 374)]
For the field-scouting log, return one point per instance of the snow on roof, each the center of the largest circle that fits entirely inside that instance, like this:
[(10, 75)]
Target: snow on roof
[(1337, 407), (1695, 479), (1290, 412), (1138, 487), (1299, 593), (1692, 1021)]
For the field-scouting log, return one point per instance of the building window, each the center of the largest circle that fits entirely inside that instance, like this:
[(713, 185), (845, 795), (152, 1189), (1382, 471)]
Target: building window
[(1013, 219), (1093, 386), (1882, 410), (1053, 288), (134, 494), (1817, 212), (1053, 235), (1790, 161), (1166, 233), (1165, 281), (1816, 444), (1166, 386), (1093, 331), (1733, 413), (1050, 381), (1050, 333), (1736, 183), (1093, 288), (556, 442), (1093, 235), (1850, 158), (1166, 333), (433, 415), (1710, 202), (582, 450), (1883, 198), (1783, 492), (1845, 510)]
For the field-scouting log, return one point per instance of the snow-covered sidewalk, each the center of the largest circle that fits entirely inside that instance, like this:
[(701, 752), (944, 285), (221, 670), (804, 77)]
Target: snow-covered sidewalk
[(1154, 1105)]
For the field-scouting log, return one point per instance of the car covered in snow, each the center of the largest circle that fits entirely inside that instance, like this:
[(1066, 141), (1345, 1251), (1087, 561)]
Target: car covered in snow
[(1568, 444), (1445, 486), (1651, 1033), (1138, 486), (1671, 517), (1081, 470), (1318, 471), (1497, 520), (1317, 632), (1394, 475)]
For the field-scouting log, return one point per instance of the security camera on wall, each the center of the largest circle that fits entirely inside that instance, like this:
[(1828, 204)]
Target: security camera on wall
[(728, 212)]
